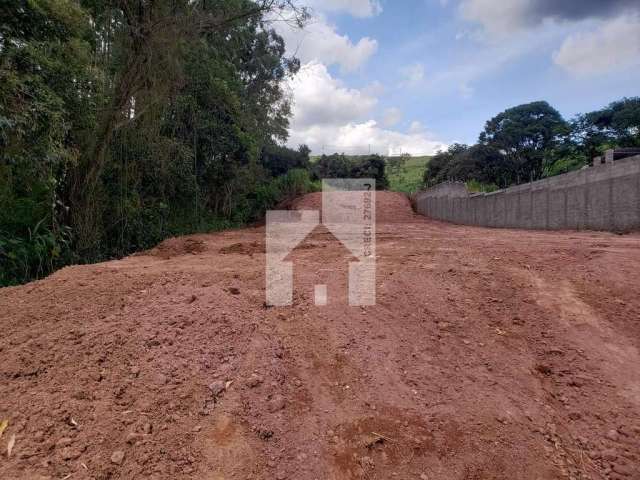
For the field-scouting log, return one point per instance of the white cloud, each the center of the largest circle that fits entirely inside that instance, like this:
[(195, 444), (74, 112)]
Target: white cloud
[(330, 117), (416, 127), (357, 8), (365, 137), (413, 75), (615, 45), (391, 117), (319, 41), (320, 99)]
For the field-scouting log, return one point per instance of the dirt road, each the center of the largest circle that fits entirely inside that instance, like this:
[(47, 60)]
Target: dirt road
[(491, 354)]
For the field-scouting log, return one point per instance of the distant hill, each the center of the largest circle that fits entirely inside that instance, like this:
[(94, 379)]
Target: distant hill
[(404, 173)]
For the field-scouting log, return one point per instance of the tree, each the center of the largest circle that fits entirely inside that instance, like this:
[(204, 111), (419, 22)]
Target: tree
[(46, 87), (532, 141), (482, 163), (332, 166), (525, 134), (341, 166), (617, 125), (438, 168), (278, 159), (371, 166), (146, 48)]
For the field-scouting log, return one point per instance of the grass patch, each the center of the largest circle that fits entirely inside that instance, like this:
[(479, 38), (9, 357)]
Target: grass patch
[(405, 173)]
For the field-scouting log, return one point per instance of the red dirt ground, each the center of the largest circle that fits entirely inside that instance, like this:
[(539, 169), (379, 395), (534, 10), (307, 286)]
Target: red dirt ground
[(491, 354)]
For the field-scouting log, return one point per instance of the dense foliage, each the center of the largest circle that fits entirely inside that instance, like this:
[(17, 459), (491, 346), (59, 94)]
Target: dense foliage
[(123, 122), (533, 141), (343, 166)]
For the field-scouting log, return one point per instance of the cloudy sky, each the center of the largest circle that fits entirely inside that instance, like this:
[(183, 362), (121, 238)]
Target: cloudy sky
[(413, 76)]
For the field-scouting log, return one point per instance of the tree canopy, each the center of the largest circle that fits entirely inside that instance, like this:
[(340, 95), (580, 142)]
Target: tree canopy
[(532, 141), (343, 166), (524, 135)]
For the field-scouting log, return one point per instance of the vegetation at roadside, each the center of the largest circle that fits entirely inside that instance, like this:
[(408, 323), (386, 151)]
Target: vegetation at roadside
[(401, 173), (532, 141), (125, 122), (340, 165)]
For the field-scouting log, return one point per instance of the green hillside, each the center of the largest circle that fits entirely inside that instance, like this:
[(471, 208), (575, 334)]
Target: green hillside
[(405, 173)]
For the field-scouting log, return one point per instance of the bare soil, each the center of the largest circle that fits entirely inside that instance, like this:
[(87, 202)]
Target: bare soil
[(491, 354)]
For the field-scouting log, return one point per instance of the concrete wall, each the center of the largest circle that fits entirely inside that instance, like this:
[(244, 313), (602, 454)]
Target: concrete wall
[(602, 197)]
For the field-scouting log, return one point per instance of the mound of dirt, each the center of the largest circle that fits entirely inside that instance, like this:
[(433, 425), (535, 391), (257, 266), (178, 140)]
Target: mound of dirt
[(244, 248), (174, 247), (391, 207)]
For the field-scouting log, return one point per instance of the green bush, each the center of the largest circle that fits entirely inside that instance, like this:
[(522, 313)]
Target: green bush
[(23, 258), (475, 186), (280, 189), (342, 166)]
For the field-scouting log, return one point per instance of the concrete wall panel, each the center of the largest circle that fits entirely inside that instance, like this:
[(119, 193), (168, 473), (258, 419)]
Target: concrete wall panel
[(602, 197), (598, 205), (539, 208), (500, 210), (626, 202), (511, 207), (576, 207), (525, 210), (557, 208)]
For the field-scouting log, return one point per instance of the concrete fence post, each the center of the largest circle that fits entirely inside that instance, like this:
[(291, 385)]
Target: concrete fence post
[(636, 220), (585, 222), (611, 217), (531, 209), (518, 210), (608, 156), (565, 221)]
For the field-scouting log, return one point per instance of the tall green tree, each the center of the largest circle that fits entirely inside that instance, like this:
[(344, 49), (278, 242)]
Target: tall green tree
[(439, 167), (278, 159), (371, 166), (525, 134), (342, 166), (148, 50), (47, 87), (616, 125)]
